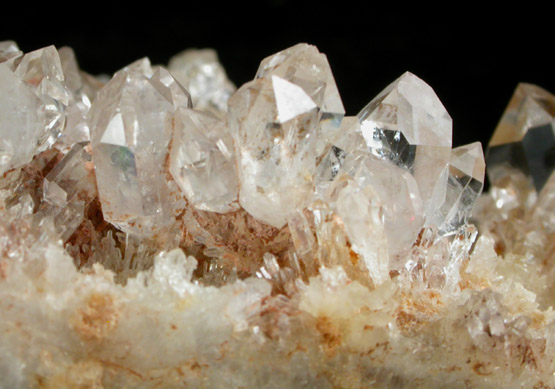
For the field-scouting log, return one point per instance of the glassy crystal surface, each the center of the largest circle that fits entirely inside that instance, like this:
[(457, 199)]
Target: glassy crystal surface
[(396, 192), (281, 122), (525, 137), (161, 280), (131, 126), (68, 188), (407, 125), (42, 71), (9, 53), (464, 186), (202, 161), (362, 216), (201, 73), (20, 109), (82, 94)]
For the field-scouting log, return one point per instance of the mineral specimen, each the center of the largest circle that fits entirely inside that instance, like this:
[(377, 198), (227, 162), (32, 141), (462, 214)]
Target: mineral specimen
[(130, 128), (154, 238)]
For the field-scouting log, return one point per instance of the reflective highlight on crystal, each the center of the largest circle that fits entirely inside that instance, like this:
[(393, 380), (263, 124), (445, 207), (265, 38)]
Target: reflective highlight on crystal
[(524, 138), (130, 124), (281, 123), (202, 161)]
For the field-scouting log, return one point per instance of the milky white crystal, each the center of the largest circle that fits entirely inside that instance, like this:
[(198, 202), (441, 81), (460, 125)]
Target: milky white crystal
[(202, 161), (201, 73), (131, 127), (68, 188)]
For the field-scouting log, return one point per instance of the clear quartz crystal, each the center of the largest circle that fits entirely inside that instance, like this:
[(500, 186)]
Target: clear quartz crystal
[(524, 139), (201, 73), (362, 217), (202, 161), (9, 53), (281, 123), (396, 192), (80, 99), (362, 288), (68, 189), (33, 98), (131, 128), (464, 186), (407, 125), (42, 71), (20, 109)]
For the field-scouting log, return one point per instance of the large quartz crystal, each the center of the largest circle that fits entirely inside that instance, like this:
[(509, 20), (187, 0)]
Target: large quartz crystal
[(147, 241), (131, 124), (281, 122), (407, 125), (33, 99)]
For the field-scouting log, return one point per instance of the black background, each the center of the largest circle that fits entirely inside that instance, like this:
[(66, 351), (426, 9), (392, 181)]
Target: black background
[(471, 54)]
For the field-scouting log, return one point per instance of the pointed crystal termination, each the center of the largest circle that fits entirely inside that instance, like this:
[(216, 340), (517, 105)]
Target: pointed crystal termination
[(68, 189), (362, 217), (396, 192), (9, 53), (407, 125), (281, 122), (21, 121), (202, 161), (304, 66), (201, 73), (82, 94), (42, 71), (524, 138), (131, 127), (464, 186), (32, 99)]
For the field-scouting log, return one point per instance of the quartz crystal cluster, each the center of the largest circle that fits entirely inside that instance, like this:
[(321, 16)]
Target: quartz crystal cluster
[(160, 228)]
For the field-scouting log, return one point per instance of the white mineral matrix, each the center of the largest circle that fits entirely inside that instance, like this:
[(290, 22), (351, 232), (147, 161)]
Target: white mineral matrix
[(163, 229)]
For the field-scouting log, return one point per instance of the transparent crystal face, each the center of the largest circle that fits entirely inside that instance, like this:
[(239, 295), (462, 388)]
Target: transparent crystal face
[(201, 73), (464, 186), (202, 161), (131, 127), (21, 110), (163, 280), (407, 125), (281, 123), (42, 71), (68, 189), (34, 98), (524, 138)]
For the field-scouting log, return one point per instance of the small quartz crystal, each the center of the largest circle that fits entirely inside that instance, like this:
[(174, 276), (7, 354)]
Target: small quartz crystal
[(524, 139), (202, 161), (201, 73), (466, 180), (280, 123)]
